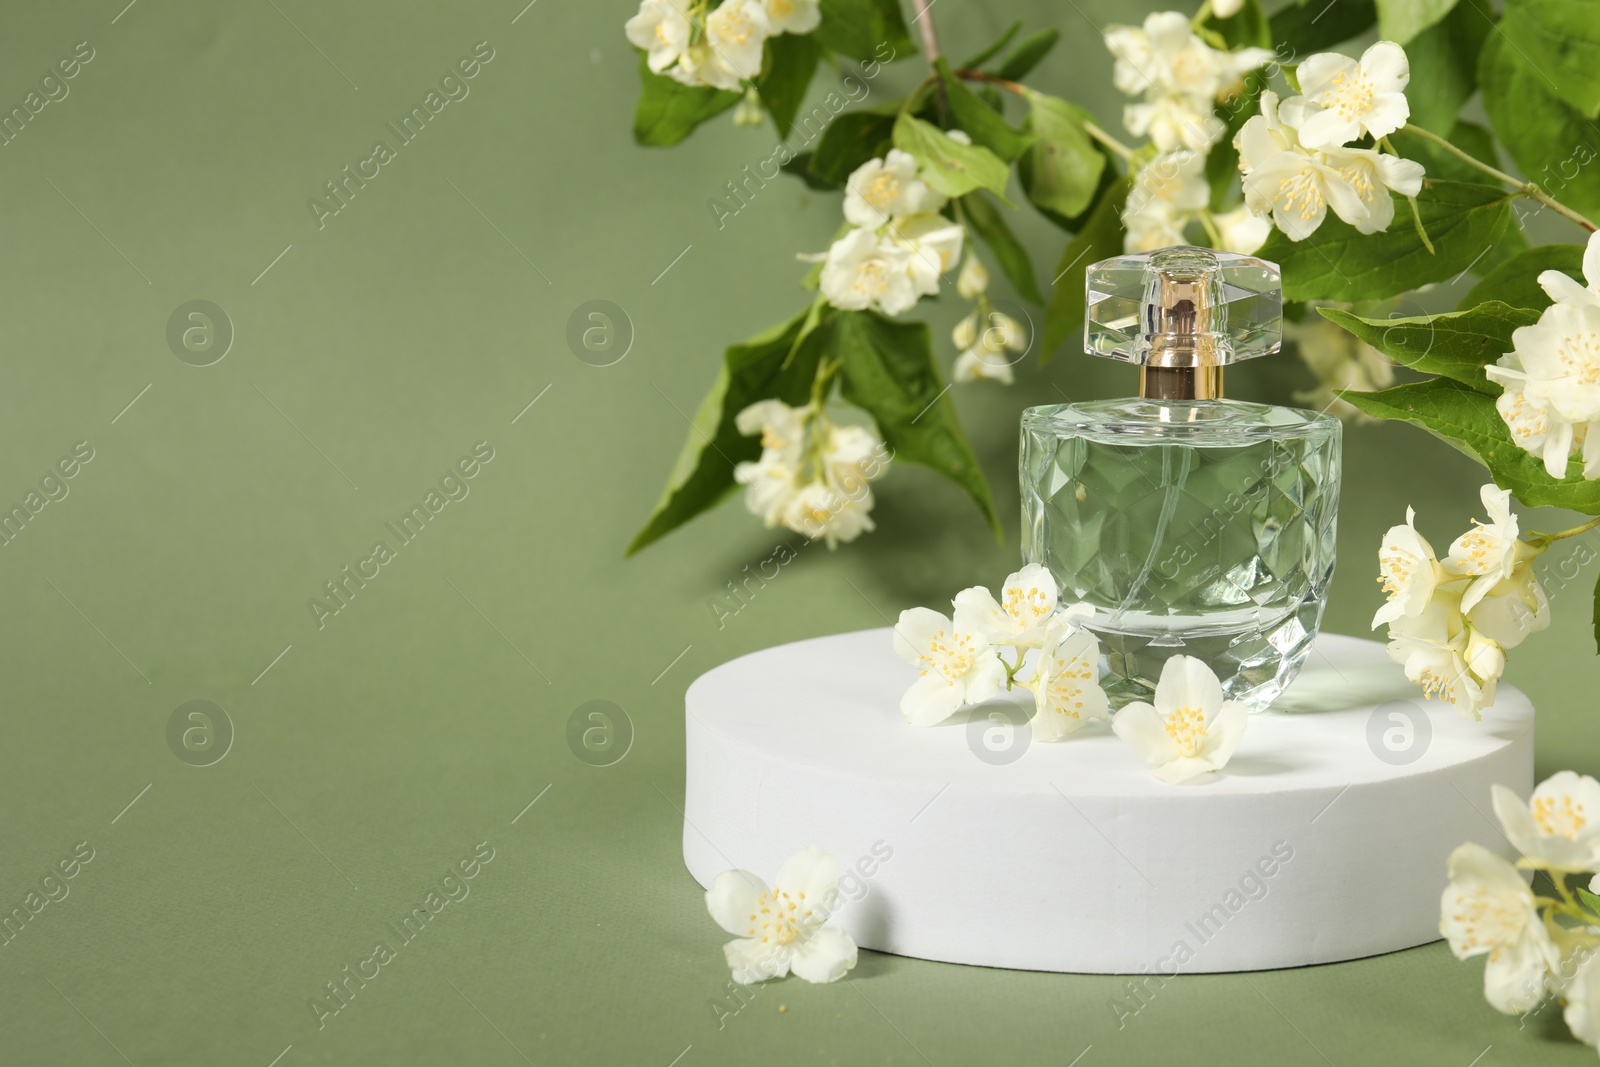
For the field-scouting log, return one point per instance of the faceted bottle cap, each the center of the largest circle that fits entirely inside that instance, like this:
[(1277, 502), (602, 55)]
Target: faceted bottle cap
[(1183, 307)]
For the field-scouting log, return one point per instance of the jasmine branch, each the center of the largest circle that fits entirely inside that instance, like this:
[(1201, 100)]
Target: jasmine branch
[(1530, 190)]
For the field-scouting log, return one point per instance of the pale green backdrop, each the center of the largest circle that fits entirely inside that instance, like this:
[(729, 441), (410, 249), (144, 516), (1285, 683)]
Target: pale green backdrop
[(373, 753)]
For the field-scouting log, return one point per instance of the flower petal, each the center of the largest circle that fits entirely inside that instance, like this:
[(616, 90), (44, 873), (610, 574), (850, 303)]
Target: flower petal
[(1145, 731), (752, 961), (1223, 733), (811, 875), (825, 955), (1563, 290), (1186, 682), (931, 700), (733, 898), (1386, 64)]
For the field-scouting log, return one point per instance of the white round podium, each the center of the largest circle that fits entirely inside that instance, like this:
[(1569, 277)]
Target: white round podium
[(970, 843)]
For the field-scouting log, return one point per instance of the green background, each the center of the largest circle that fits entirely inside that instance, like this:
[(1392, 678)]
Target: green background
[(377, 751)]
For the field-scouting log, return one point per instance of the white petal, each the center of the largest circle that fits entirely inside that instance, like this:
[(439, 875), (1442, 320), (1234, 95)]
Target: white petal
[(1223, 733), (732, 899), (1186, 682), (813, 872), (1388, 112), (1328, 128), (1563, 290), (915, 630), (1515, 819), (1385, 62), (1591, 261), (824, 954), (1145, 731), (753, 961), (1183, 770), (930, 700)]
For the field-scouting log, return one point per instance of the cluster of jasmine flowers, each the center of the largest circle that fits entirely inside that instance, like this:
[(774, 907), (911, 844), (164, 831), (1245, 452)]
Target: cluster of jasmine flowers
[(1179, 80), (1451, 621), (1537, 945), (1297, 158), (899, 245), (699, 45), (990, 341), (1188, 734), (1551, 378), (813, 472)]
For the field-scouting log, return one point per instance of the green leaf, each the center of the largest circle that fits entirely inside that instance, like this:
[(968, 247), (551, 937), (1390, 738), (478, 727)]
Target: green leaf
[(790, 62), (1467, 419), (1440, 164), (1550, 141), (1444, 68), (1305, 28), (981, 122), (1337, 263), (952, 168), (989, 223), (1028, 53), (1561, 40), (1457, 344), (1588, 899), (1516, 281), (1061, 172), (1401, 20), (888, 370), (1245, 28), (668, 112), (865, 30), (1100, 238), (1597, 615), (994, 48), (702, 477), (852, 139)]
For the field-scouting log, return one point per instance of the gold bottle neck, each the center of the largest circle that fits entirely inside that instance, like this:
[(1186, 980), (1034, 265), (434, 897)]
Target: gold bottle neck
[(1181, 383)]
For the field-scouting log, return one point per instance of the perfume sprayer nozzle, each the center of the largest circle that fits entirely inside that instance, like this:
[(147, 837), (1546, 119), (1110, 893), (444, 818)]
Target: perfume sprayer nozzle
[(1183, 308)]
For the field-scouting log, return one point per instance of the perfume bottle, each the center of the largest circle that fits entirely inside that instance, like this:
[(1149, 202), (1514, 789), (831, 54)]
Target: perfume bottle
[(1195, 525)]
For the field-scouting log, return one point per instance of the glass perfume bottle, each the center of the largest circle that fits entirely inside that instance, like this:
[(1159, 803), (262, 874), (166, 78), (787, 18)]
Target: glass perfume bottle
[(1195, 525)]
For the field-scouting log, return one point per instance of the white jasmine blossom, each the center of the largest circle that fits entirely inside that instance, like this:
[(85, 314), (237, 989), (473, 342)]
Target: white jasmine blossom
[(793, 16), (933, 247), (662, 30), (1190, 731), (1514, 608), (864, 271), (736, 33), (1297, 185), (1560, 357), (880, 189), (1409, 571), (1066, 682), (992, 353), (973, 281), (1167, 192), (1488, 551), (1180, 78), (1432, 648), (813, 473), (956, 666), (1019, 617), (1536, 426), (1580, 996), (1487, 910), (1242, 230), (748, 111), (1558, 828), (784, 928), (965, 334), (1352, 97), (1563, 289)]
